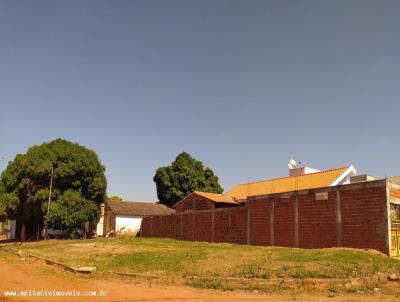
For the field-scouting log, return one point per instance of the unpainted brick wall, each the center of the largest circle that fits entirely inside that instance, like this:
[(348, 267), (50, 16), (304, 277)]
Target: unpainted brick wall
[(363, 222), (260, 228), (198, 202), (238, 229), (317, 221), (187, 226), (203, 222), (222, 222), (176, 226), (284, 223), (272, 221)]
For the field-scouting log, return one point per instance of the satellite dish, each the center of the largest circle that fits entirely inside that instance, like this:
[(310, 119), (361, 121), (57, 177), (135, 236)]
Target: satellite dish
[(293, 163), (290, 166)]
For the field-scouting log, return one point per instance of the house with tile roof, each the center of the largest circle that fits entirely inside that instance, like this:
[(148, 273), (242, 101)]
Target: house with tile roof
[(125, 217), (300, 178)]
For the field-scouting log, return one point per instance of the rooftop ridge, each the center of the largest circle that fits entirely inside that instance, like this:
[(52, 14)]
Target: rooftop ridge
[(207, 192), (133, 201), (219, 194)]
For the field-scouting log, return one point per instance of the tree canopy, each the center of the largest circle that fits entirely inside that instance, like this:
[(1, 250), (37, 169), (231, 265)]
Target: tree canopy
[(26, 181), (182, 177), (2, 205), (72, 210), (116, 198)]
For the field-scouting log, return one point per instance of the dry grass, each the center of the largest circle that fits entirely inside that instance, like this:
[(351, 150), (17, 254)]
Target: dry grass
[(172, 257), (212, 265)]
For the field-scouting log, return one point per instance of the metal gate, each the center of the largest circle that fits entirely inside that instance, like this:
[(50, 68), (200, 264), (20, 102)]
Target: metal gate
[(395, 229), (395, 237)]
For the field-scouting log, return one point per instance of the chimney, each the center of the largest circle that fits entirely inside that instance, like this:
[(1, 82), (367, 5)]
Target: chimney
[(102, 206), (297, 168), (297, 171)]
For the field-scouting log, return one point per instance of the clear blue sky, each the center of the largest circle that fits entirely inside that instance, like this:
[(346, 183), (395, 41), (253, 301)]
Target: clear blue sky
[(241, 85)]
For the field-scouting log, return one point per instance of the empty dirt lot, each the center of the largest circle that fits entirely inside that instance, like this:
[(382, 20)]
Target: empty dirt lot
[(166, 270), (29, 276)]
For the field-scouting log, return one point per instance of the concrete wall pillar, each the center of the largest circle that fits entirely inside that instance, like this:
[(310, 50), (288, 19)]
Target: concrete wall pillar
[(170, 225), (230, 225), (388, 244), (271, 223), (181, 226), (194, 226), (151, 226), (339, 218), (296, 221), (248, 223), (212, 226)]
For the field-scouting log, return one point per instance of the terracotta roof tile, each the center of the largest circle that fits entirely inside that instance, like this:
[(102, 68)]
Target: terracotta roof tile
[(217, 197), (286, 184), (138, 208)]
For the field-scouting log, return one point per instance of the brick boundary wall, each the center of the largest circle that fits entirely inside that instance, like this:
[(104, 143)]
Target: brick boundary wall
[(352, 215)]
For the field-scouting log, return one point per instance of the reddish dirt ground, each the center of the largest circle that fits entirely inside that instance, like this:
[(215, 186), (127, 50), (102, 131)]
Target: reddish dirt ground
[(24, 276)]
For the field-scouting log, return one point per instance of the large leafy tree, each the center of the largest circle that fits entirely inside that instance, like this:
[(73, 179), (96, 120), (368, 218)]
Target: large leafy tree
[(70, 167), (72, 210), (2, 206), (182, 177), (116, 198)]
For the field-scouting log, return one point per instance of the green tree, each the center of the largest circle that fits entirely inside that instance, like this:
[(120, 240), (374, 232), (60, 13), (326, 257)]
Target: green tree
[(26, 180), (182, 177), (2, 205), (72, 210), (116, 198)]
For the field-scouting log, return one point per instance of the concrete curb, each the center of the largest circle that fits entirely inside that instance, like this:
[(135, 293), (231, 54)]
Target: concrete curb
[(271, 282), (53, 262), (133, 275), (81, 270)]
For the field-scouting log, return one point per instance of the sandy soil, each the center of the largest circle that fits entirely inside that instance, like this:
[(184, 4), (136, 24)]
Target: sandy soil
[(28, 276)]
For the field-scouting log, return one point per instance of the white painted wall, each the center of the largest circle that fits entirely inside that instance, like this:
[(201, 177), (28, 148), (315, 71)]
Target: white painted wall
[(100, 227), (309, 170), (125, 224), (345, 177), (11, 228)]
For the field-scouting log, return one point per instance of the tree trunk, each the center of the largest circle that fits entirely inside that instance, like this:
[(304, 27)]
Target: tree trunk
[(23, 231)]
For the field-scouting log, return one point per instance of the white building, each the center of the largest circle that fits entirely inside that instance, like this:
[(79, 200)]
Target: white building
[(125, 217)]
